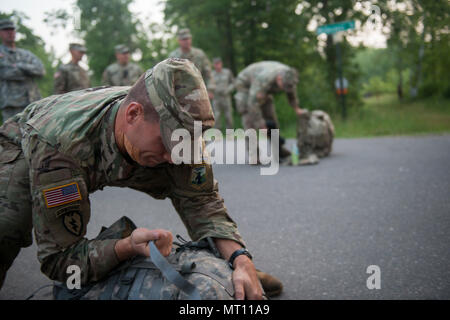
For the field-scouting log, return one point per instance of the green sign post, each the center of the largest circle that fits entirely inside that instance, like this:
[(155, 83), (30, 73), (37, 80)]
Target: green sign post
[(336, 27), (332, 29)]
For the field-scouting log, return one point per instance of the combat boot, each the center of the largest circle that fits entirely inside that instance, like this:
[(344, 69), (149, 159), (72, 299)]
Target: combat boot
[(271, 285)]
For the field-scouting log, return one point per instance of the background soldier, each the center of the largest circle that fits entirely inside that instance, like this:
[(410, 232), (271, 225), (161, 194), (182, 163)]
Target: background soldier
[(114, 136), (224, 80), (18, 70), (123, 72), (72, 76), (255, 86), (197, 56)]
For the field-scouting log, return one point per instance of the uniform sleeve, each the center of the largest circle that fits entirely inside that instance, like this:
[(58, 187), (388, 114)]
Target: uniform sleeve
[(9, 71), (105, 78), (230, 82), (292, 98), (61, 211), (32, 66), (196, 198), (207, 74), (60, 81)]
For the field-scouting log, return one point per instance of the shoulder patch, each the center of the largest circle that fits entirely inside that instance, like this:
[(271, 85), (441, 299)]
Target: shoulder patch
[(73, 223), (60, 195), (198, 175)]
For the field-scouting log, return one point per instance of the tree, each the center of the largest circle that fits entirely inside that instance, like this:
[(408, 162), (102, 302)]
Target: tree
[(104, 24)]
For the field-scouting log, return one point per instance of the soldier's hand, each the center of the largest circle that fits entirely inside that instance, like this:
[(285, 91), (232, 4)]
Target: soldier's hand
[(245, 280), (140, 237), (298, 111)]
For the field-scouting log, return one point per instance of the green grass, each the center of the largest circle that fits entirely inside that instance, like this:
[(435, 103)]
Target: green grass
[(385, 115)]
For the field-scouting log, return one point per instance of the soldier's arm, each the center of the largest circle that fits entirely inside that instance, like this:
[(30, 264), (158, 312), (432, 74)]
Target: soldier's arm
[(59, 79), (10, 71), (230, 82), (207, 74), (105, 78), (196, 198), (293, 101), (32, 66), (61, 211)]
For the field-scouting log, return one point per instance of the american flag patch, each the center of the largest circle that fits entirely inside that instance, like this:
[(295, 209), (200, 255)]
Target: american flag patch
[(61, 195)]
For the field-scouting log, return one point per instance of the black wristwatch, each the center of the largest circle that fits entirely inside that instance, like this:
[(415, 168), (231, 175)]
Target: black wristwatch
[(236, 254)]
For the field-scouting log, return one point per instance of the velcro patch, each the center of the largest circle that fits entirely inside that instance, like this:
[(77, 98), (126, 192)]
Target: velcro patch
[(198, 175), (61, 195)]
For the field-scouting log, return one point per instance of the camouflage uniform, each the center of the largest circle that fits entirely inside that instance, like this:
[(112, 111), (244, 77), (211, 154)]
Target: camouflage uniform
[(53, 157), (118, 75), (198, 57), (255, 86), (121, 75), (18, 70), (224, 81), (71, 77)]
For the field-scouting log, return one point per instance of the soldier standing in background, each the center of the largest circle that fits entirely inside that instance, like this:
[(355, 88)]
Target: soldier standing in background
[(18, 70), (123, 72), (224, 80), (72, 76), (197, 56)]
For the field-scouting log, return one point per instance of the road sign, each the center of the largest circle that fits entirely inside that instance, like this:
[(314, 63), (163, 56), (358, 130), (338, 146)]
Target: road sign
[(336, 27), (337, 83)]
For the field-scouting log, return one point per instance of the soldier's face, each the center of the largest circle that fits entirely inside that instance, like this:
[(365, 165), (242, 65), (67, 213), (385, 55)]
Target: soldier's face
[(185, 44), (123, 58), (77, 55), (218, 66), (144, 141), (8, 35)]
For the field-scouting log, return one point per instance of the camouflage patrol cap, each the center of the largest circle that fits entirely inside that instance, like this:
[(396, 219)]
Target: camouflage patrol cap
[(217, 60), (290, 79), (121, 48), (7, 24), (184, 33), (177, 92), (77, 46)]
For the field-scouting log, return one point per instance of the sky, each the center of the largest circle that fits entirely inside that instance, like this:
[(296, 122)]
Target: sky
[(147, 11)]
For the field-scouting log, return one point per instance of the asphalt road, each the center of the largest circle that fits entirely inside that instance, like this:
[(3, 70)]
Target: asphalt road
[(379, 201)]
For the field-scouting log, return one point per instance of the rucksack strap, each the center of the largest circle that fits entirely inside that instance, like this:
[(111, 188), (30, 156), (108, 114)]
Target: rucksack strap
[(172, 275)]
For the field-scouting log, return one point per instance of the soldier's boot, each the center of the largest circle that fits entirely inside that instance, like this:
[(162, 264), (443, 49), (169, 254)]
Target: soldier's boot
[(284, 152), (271, 285)]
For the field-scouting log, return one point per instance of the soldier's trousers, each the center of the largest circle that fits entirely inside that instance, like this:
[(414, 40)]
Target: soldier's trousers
[(15, 205), (222, 105), (8, 112), (267, 110)]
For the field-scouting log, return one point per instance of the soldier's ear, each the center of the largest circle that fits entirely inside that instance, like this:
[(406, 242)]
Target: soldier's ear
[(134, 112)]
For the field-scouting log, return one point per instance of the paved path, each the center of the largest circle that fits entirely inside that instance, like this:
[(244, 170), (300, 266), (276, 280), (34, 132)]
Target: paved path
[(379, 201)]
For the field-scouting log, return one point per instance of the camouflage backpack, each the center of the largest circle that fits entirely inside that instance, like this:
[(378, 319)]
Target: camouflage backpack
[(193, 271), (315, 134)]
